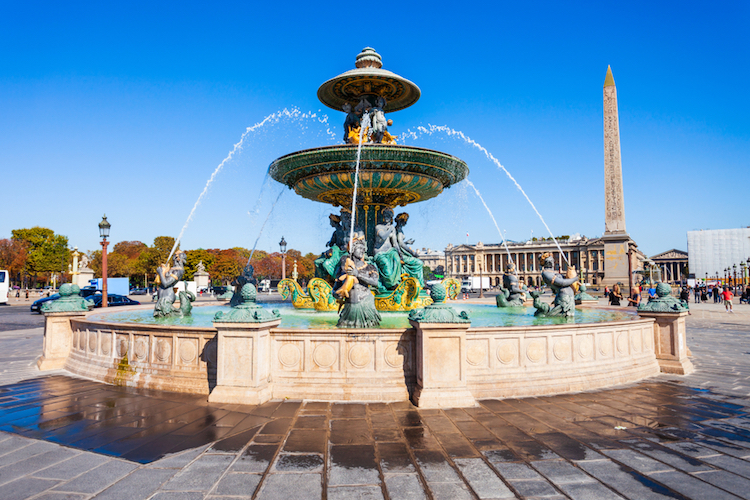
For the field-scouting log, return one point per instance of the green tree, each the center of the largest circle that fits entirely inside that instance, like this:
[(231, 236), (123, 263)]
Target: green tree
[(163, 245), (47, 252), (208, 257)]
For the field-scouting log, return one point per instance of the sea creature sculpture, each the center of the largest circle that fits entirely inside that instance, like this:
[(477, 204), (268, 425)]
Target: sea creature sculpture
[(438, 311), (240, 281), (541, 308), (247, 311), (663, 302)]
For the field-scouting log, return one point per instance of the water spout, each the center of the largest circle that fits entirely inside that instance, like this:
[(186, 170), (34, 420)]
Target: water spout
[(505, 243), (264, 225), (294, 113), (363, 125), (457, 133)]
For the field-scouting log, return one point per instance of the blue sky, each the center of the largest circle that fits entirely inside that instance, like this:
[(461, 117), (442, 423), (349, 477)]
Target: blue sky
[(128, 109)]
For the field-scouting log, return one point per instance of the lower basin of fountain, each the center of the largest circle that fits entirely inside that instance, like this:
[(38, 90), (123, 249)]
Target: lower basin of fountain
[(501, 354)]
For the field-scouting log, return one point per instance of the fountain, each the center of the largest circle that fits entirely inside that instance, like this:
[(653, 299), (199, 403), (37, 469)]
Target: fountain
[(365, 329)]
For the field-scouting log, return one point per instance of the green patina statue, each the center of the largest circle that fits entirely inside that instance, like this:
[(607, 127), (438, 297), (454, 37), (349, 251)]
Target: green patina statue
[(352, 287), (511, 295), (438, 311), (582, 295), (564, 288), (167, 280), (663, 302), (247, 311), (69, 300)]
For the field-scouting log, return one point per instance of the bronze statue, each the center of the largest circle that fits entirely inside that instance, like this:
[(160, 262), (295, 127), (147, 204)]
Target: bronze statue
[(358, 310), (513, 295), (167, 280), (564, 288)]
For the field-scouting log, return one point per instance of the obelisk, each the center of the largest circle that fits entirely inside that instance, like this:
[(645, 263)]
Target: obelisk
[(617, 242)]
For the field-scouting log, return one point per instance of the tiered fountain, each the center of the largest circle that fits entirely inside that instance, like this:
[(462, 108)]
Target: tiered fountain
[(388, 175), (438, 357)]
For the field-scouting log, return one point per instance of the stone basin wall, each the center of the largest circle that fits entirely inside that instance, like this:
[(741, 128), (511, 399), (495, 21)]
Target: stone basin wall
[(373, 365)]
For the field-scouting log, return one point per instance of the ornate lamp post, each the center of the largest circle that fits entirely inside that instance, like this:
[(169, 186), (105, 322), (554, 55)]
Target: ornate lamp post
[(734, 269), (743, 269), (748, 270), (282, 248), (104, 233), (481, 287)]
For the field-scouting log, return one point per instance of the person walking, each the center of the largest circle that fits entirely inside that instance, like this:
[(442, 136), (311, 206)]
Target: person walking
[(727, 295), (697, 293), (716, 294)]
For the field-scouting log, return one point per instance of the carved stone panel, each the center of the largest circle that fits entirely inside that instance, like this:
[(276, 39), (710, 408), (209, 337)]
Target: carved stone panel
[(562, 348), (536, 350), (360, 354), (397, 355), (605, 343), (237, 364), (477, 352), (106, 339), (188, 351), (325, 355), (507, 351), (92, 341), (290, 355), (585, 346), (163, 350), (622, 343), (140, 348), (122, 345)]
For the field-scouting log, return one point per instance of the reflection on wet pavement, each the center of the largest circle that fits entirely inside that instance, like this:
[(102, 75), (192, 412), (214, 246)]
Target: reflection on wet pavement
[(654, 440)]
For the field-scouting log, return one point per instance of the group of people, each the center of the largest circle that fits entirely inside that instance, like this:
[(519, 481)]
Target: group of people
[(615, 296), (725, 294)]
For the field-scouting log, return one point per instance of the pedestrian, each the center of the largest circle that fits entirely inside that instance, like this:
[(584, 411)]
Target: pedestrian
[(635, 298), (697, 293), (615, 296), (727, 295), (716, 294), (606, 292)]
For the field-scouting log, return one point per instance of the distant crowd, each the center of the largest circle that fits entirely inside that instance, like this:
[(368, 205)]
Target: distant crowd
[(701, 293)]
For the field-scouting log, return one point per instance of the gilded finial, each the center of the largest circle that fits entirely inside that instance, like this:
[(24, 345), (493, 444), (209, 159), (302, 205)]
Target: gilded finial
[(609, 80)]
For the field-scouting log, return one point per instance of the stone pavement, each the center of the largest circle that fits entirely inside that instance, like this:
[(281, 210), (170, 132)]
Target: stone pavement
[(667, 437)]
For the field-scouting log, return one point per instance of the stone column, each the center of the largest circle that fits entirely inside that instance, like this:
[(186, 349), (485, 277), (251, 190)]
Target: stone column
[(58, 339), (670, 342), (243, 363), (442, 366)]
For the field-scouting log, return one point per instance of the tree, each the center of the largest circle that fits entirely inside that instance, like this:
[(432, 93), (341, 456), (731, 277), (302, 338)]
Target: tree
[(163, 245), (208, 257), (226, 266), (13, 255), (47, 252), (130, 249)]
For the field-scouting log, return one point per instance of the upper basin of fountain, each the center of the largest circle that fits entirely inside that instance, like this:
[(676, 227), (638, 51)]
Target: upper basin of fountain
[(368, 79), (389, 174)]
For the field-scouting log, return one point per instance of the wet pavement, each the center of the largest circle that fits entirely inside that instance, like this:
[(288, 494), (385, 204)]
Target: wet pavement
[(667, 437)]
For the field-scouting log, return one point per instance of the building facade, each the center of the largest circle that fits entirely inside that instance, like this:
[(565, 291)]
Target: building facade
[(586, 255), (718, 253), (673, 265)]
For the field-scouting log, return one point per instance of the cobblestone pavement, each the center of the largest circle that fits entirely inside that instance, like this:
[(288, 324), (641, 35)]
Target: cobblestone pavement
[(667, 437)]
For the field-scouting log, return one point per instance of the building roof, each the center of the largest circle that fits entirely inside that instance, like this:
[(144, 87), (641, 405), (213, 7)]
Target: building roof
[(671, 255)]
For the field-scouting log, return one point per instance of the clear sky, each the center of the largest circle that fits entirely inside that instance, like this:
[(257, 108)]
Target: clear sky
[(128, 108)]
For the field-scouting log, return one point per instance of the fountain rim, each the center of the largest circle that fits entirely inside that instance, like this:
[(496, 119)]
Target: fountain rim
[(369, 146)]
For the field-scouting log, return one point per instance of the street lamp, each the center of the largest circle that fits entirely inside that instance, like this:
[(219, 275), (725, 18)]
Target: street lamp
[(282, 248), (481, 288), (743, 268), (734, 268), (104, 233)]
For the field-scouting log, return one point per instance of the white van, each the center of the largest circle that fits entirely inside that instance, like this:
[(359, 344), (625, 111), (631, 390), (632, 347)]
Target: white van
[(4, 286)]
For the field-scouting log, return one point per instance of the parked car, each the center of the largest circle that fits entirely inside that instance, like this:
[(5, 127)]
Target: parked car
[(139, 291), (37, 304), (114, 300)]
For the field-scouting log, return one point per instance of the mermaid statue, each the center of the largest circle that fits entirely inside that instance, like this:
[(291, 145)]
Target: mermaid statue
[(564, 288), (358, 310), (240, 281), (410, 263)]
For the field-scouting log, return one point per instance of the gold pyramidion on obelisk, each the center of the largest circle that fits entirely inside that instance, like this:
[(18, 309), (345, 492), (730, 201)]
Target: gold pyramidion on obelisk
[(614, 203)]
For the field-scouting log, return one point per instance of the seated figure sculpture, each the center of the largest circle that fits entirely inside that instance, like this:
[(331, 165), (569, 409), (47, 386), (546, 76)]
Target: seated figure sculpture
[(240, 281), (386, 253), (511, 295), (564, 288), (358, 310), (351, 122), (410, 263), (325, 265), (168, 279)]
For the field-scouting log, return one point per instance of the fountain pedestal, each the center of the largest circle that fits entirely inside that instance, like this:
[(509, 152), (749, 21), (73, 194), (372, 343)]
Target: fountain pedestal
[(58, 339), (243, 370), (441, 366), (670, 343)]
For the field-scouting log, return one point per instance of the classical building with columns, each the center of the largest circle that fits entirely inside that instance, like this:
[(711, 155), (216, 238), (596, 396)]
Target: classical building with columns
[(673, 265), (587, 255)]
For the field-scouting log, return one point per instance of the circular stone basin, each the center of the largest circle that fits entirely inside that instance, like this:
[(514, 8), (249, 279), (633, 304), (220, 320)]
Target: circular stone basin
[(481, 315), (389, 174)]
